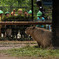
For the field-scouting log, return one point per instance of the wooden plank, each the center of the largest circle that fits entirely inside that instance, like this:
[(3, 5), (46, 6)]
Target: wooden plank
[(23, 23)]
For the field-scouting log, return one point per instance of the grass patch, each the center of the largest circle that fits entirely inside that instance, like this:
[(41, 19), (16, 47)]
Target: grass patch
[(31, 51)]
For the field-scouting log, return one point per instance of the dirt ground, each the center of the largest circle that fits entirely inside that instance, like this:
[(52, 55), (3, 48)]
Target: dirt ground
[(18, 58), (4, 45), (28, 58)]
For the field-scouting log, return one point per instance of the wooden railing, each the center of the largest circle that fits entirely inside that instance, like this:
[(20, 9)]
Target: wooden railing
[(23, 23)]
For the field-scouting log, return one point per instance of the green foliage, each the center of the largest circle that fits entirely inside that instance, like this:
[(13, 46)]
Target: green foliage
[(17, 18), (17, 3), (22, 3)]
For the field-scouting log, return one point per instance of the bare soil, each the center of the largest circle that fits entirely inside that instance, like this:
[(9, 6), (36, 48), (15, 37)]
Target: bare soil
[(4, 45), (28, 58)]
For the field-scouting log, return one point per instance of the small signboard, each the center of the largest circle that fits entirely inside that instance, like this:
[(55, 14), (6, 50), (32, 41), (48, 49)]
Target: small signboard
[(47, 2)]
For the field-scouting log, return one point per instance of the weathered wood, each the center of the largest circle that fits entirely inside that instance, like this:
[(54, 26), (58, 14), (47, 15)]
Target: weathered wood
[(23, 23)]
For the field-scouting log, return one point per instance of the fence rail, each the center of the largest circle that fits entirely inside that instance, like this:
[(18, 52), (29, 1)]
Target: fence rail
[(23, 23), (16, 32)]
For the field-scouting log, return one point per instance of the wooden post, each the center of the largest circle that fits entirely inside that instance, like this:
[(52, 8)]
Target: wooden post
[(55, 23)]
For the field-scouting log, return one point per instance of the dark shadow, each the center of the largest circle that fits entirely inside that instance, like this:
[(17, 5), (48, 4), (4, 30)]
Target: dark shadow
[(36, 46)]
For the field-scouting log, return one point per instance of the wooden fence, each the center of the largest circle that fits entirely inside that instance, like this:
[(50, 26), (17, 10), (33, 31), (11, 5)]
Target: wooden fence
[(23, 23)]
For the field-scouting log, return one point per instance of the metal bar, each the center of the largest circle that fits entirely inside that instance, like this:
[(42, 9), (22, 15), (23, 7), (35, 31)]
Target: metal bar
[(32, 10)]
